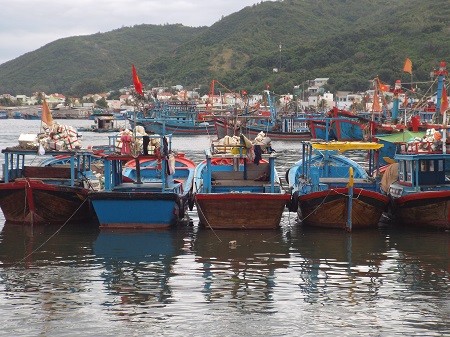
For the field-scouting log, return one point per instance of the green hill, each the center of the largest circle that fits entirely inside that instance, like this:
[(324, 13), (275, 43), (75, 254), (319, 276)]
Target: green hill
[(349, 41)]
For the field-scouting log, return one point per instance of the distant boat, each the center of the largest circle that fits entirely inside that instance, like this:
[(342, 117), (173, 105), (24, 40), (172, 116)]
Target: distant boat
[(178, 118), (234, 192), (332, 190), (293, 126), (103, 123), (3, 114), (152, 196), (17, 115)]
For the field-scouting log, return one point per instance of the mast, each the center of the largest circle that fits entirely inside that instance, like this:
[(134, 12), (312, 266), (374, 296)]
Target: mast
[(440, 73)]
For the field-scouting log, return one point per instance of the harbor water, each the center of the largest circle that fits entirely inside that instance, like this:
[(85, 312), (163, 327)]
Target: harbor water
[(75, 280)]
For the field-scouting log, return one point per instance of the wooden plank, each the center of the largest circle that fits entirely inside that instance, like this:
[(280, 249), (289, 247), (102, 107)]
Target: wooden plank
[(59, 172)]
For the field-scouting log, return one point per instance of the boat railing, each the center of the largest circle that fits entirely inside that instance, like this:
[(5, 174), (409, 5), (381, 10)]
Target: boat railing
[(232, 149), (422, 147), (77, 164)]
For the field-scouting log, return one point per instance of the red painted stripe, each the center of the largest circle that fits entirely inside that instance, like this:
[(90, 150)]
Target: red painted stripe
[(241, 196)]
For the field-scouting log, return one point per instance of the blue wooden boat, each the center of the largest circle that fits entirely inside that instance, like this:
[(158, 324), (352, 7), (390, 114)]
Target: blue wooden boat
[(419, 185), (332, 190), (232, 191), (17, 115), (154, 196), (178, 118)]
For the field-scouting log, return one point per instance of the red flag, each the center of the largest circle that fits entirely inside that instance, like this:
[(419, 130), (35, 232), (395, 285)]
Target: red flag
[(444, 100), (384, 87), (136, 81), (407, 68), (46, 116)]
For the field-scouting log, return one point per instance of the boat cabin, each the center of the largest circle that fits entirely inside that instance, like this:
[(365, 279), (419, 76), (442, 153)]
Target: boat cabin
[(420, 170)]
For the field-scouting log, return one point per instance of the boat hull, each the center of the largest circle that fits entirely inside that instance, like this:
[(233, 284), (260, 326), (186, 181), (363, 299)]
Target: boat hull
[(137, 210), (424, 209), (33, 202), (240, 210), (187, 129), (329, 208)]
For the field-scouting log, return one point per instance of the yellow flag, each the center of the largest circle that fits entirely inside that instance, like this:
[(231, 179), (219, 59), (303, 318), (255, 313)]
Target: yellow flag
[(407, 68), (46, 114)]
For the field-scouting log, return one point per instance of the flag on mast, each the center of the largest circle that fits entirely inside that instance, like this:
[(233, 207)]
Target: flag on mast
[(407, 68), (136, 81), (444, 100), (46, 116)]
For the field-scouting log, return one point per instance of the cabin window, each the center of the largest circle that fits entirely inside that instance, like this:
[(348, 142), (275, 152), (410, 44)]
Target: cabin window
[(435, 173), (423, 166), (401, 171), (409, 170)]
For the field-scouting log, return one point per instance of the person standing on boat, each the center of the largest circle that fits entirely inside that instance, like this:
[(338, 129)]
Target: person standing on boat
[(126, 139)]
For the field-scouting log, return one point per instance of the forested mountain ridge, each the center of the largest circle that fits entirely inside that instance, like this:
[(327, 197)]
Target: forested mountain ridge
[(349, 41)]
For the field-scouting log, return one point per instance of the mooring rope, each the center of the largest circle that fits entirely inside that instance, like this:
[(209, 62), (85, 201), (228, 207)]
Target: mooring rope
[(207, 222), (51, 236), (329, 191)]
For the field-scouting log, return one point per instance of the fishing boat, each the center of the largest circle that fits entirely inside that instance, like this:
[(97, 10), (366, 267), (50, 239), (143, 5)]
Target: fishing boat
[(175, 117), (46, 194), (418, 184), (155, 195), (234, 191), (105, 122), (332, 190), (292, 126)]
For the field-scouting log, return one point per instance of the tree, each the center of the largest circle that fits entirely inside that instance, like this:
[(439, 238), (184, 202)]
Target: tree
[(101, 103)]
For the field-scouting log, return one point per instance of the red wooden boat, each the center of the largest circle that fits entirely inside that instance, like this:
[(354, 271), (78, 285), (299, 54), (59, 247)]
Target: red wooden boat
[(232, 192), (424, 209), (45, 194)]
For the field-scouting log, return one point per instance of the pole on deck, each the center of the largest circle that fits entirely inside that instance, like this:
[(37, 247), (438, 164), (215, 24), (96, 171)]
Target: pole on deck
[(350, 199)]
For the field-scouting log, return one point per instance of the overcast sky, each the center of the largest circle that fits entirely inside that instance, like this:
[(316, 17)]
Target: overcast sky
[(26, 25)]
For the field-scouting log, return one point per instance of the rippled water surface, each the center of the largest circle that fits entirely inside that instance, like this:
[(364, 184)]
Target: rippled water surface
[(78, 281)]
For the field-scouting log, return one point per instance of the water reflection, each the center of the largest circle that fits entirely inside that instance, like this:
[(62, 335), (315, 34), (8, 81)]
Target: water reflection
[(45, 245), (43, 274), (239, 267), (336, 265), (138, 265), (423, 258)]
